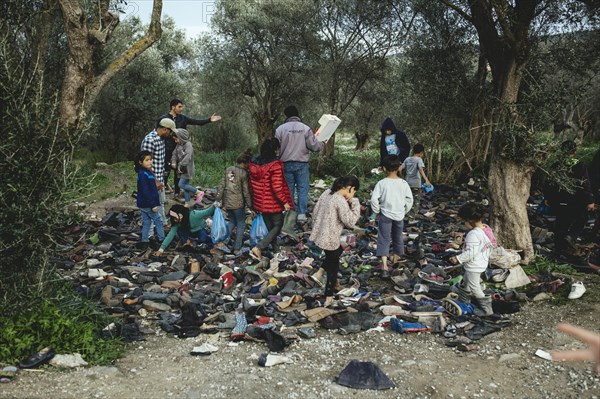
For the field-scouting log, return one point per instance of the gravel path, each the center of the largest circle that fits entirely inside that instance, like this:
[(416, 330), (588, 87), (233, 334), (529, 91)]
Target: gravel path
[(419, 364)]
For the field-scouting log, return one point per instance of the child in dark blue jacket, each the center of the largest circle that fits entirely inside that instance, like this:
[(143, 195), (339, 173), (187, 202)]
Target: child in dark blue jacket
[(393, 141), (147, 198)]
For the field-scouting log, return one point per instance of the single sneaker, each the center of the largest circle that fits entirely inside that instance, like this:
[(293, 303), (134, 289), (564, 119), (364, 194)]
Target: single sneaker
[(301, 218), (457, 308), (577, 290), (420, 289), (281, 256)]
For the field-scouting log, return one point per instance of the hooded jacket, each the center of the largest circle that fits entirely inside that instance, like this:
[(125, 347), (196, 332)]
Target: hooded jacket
[(401, 141), (183, 156), (268, 187)]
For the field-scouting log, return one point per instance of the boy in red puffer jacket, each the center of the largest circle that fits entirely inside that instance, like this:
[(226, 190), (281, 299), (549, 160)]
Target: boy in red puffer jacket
[(270, 193)]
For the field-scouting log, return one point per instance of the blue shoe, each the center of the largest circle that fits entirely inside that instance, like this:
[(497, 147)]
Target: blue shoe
[(222, 247), (456, 308)]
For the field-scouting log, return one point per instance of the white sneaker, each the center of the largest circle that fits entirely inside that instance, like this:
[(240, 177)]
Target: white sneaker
[(577, 290), (280, 256), (301, 217)]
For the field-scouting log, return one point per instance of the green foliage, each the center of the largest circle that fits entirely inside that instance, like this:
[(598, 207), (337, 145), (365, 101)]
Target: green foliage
[(211, 166), (35, 174), (541, 264), (37, 181), (345, 162), (131, 103), (62, 320)]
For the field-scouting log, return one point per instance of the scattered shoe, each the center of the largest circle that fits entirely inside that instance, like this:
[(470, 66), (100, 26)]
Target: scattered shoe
[(281, 257), (203, 350), (37, 359), (7, 374), (577, 290), (222, 247), (318, 280), (268, 360), (256, 253), (456, 308)]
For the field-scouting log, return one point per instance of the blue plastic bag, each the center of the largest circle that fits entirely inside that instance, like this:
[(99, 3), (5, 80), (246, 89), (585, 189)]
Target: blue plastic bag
[(258, 231), (219, 231), (427, 189)]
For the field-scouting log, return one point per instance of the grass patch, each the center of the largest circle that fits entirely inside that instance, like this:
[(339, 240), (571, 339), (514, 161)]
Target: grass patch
[(65, 321), (542, 264)]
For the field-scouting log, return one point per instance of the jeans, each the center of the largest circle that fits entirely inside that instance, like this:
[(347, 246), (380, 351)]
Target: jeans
[(187, 188), (331, 264), (297, 177), (389, 230), (274, 223), (161, 208), (237, 219), (149, 218), (472, 282), (201, 236)]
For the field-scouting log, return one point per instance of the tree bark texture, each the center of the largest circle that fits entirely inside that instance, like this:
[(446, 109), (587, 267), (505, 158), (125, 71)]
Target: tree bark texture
[(509, 185), (265, 125), (82, 83), (362, 141), (503, 28)]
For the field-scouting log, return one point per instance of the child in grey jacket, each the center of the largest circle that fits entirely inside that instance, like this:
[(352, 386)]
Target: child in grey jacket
[(233, 194), (183, 162)]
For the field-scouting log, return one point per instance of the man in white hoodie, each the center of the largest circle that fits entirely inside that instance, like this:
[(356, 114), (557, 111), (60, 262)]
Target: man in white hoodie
[(297, 141)]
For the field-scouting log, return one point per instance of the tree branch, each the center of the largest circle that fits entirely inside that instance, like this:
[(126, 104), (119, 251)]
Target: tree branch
[(502, 8), (152, 35), (459, 10)]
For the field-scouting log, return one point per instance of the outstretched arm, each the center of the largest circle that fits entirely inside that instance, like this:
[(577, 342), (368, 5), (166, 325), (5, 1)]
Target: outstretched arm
[(592, 353)]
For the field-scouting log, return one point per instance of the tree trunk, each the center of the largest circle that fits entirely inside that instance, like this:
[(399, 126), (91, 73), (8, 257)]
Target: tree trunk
[(509, 185), (264, 125), (82, 83), (362, 141)]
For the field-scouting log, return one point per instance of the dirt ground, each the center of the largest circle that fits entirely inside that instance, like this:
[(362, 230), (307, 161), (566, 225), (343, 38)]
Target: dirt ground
[(420, 365)]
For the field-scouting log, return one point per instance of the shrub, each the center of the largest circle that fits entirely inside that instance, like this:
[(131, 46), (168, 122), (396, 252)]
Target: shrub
[(66, 322), (38, 178)]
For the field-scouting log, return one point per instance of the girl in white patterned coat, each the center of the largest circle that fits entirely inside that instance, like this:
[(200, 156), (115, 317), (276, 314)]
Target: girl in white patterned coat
[(336, 209)]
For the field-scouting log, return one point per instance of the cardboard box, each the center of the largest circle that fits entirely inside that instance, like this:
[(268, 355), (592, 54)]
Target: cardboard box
[(328, 125)]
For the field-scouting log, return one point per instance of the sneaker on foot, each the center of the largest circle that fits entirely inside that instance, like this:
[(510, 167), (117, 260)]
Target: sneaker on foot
[(301, 218), (577, 290)]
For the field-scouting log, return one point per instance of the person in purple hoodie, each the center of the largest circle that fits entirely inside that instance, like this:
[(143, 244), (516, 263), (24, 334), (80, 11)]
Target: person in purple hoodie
[(393, 141), (147, 198)]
